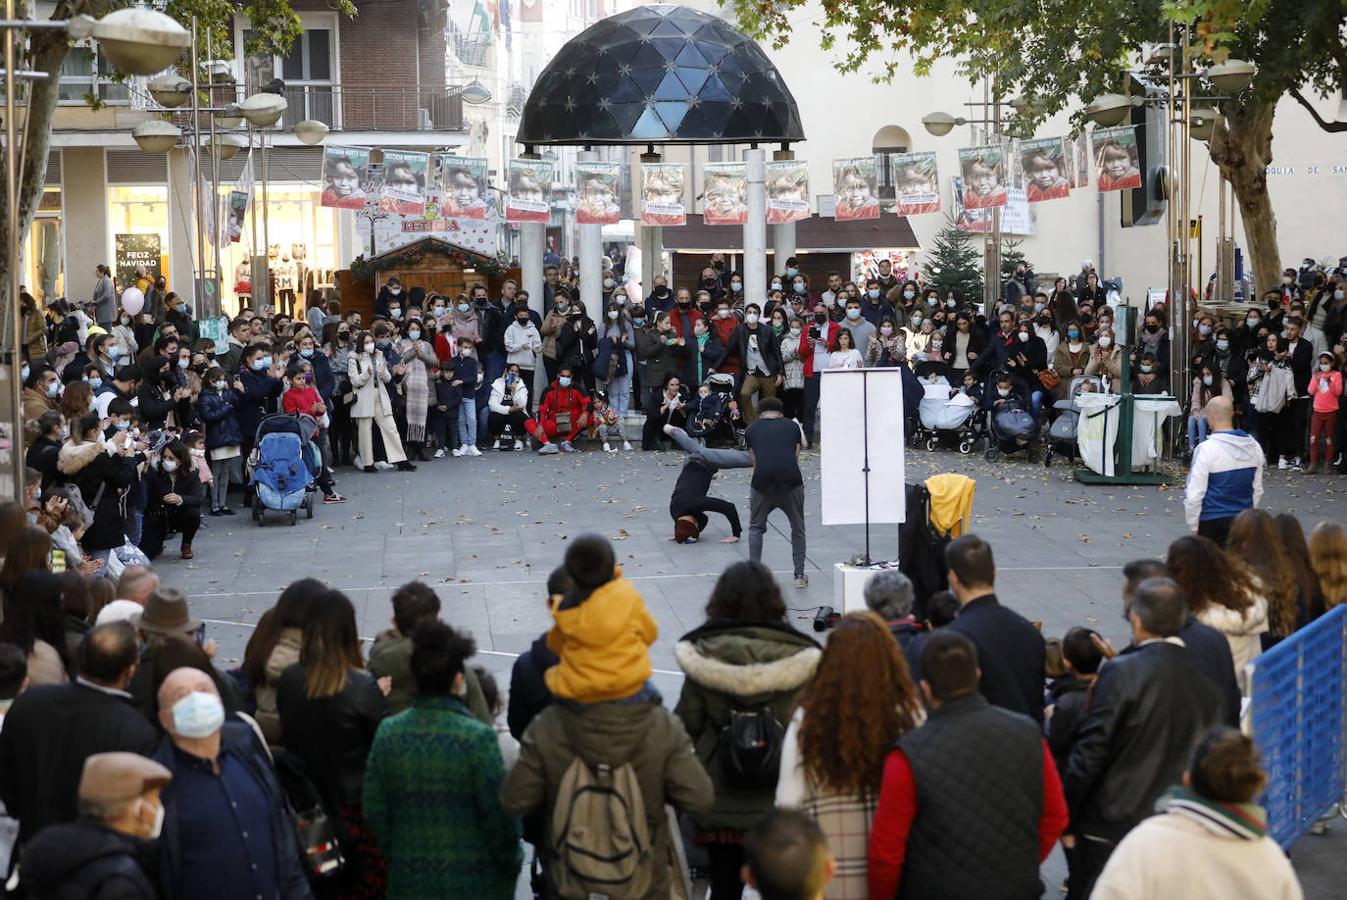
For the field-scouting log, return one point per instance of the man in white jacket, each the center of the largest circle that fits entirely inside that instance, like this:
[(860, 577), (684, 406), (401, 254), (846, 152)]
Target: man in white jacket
[(1226, 476), (523, 343), (508, 405)]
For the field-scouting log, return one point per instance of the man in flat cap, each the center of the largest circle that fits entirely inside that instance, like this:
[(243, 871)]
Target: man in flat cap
[(106, 852)]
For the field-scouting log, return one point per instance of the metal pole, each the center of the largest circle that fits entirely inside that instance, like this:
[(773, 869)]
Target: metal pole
[(218, 305), (199, 306), (994, 260), (15, 352), (755, 228), (266, 231), (591, 264)]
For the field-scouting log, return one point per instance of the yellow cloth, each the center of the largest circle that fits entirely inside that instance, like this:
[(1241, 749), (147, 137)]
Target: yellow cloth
[(604, 645), (951, 502)]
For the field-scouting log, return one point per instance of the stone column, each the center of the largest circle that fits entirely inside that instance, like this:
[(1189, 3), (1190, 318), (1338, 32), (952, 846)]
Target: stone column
[(531, 262), (591, 253), (783, 243), (755, 229)]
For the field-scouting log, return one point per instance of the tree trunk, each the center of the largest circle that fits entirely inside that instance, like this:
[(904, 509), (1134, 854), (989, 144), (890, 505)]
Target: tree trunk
[(1242, 148)]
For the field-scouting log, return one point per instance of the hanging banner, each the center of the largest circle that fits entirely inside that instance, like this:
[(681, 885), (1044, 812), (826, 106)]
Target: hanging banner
[(238, 208), (662, 190), (1044, 168), (404, 182), (530, 185), (787, 191), (726, 194), (345, 176), (1115, 158), (984, 177), (1017, 217), (463, 187), (916, 187), (597, 188), (854, 189), (1082, 178)]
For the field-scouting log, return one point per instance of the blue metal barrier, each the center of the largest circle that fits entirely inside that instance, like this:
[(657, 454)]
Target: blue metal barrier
[(1299, 689)]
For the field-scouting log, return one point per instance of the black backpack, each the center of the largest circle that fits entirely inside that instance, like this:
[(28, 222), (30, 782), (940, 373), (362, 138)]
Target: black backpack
[(750, 747)]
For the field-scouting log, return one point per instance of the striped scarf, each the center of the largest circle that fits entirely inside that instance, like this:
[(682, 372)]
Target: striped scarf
[(1247, 821)]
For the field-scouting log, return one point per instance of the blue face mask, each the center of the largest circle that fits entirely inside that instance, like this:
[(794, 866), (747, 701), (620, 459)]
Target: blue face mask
[(564, 381), (121, 425), (114, 351), (23, 372), (790, 271), (414, 335), (260, 363), (95, 383), (306, 353), (638, 322), (198, 715), (395, 313)]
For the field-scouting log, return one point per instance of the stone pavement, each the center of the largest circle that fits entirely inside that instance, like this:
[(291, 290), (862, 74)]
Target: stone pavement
[(486, 532)]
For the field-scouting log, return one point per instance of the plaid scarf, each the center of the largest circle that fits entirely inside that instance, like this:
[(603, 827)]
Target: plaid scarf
[(416, 388), (1247, 821)]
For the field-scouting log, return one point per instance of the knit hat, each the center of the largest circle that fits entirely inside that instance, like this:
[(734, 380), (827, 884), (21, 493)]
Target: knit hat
[(685, 530), (590, 561)]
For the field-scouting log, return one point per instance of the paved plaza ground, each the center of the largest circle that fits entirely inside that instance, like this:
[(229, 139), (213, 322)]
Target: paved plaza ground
[(486, 532)]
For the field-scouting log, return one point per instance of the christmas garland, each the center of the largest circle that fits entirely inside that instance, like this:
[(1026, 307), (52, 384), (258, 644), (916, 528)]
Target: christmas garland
[(363, 269)]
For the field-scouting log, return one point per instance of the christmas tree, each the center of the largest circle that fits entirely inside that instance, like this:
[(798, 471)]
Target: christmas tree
[(1012, 256), (954, 263)]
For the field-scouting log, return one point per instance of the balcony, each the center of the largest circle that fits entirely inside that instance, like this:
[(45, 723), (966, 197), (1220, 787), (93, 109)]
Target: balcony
[(364, 108)]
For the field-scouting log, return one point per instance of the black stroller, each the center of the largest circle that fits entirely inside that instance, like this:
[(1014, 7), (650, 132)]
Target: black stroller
[(715, 419), (1011, 428)]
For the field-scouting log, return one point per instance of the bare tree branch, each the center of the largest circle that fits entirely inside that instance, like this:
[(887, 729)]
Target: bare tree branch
[(1330, 127)]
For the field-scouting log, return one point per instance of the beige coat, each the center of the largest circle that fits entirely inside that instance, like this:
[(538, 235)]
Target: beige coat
[(368, 376), (285, 653)]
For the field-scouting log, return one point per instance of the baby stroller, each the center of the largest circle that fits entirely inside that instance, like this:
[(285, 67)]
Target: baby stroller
[(946, 415), (285, 465), (1011, 428), (1064, 427), (714, 418)]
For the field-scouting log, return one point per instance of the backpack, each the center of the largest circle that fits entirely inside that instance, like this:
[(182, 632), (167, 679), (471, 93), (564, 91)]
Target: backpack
[(750, 747), (599, 834)]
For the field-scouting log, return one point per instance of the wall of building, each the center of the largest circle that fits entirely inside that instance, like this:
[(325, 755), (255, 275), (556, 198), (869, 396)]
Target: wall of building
[(87, 243)]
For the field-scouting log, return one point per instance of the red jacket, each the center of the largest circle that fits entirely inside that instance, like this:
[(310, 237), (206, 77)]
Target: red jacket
[(724, 330), (684, 318), (828, 333), (301, 401), (898, 808), (558, 399)]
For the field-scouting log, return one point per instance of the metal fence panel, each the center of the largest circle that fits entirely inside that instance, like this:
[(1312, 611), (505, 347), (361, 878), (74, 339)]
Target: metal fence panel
[(1297, 720)]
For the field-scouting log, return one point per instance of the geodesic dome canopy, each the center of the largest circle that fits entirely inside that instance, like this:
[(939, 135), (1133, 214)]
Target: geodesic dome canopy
[(660, 74)]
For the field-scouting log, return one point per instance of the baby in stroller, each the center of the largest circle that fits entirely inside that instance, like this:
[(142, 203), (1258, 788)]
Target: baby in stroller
[(946, 412), (1064, 427), (1011, 426), (713, 415)]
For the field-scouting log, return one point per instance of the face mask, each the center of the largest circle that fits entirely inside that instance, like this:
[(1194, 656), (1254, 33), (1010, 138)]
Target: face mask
[(1152, 329), (157, 828), (1004, 392), (394, 290), (1206, 379), (122, 426), (612, 315), (463, 307), (369, 346), (1145, 369), (1024, 337), (1204, 330), (53, 389), (1337, 295), (872, 293), (561, 308), (221, 385), (908, 295), (699, 333), (916, 320), (307, 352), (1222, 345), (820, 317), (950, 303), (886, 330), (639, 323), (114, 351), (198, 715), (184, 363), (935, 345), (1253, 321), (722, 314), (794, 330), (736, 285), (684, 301), (564, 381), (95, 383), (1073, 334), (510, 377), (776, 285), (23, 372), (608, 283), (260, 364), (1106, 342), (395, 313), (790, 271), (751, 318), (439, 311), (799, 287), (169, 465), (931, 301), (1287, 279), (853, 313)]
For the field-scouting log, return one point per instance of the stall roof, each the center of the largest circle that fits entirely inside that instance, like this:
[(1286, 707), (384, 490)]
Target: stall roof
[(815, 234)]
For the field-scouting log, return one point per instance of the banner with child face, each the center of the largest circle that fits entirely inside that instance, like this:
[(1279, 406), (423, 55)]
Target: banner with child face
[(404, 182), (345, 177), (726, 194), (530, 185), (1044, 169), (984, 177), (1115, 158), (662, 191), (855, 189), (916, 183), (787, 191), (463, 187), (598, 185)]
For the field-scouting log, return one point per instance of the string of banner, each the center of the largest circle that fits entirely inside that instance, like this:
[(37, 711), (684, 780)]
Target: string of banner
[(445, 186)]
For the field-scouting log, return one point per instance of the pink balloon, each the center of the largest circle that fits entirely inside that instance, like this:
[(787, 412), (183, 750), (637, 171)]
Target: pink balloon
[(133, 301)]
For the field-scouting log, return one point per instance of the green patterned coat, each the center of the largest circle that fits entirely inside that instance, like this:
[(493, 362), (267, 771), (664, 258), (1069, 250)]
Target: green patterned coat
[(431, 799)]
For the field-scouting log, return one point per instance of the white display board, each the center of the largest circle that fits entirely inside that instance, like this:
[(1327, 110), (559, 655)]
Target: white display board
[(861, 420)]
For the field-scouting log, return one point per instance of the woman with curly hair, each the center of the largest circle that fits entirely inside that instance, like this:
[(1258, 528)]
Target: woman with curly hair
[(832, 761), (1256, 540), (1221, 592), (1328, 559)]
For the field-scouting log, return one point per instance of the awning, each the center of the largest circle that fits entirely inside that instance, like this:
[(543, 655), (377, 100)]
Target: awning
[(815, 234)]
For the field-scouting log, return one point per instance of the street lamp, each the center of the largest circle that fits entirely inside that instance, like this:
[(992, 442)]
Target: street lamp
[(139, 41), (230, 118), (156, 136), (310, 131), (475, 92), (171, 91), (263, 110), (226, 146), (1203, 122), (1109, 109), (1231, 76), (940, 123)]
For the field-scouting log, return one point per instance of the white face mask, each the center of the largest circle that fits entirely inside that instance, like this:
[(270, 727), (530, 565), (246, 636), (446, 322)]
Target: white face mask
[(1325, 367), (170, 465), (886, 330), (369, 346), (1024, 337), (198, 715), (1206, 379), (751, 318), (613, 314), (158, 827), (1004, 392), (723, 313), (1106, 342)]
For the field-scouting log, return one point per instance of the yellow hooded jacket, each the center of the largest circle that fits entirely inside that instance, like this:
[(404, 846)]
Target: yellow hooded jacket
[(604, 645)]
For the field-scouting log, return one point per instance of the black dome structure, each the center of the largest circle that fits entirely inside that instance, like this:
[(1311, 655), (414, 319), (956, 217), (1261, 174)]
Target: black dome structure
[(660, 74)]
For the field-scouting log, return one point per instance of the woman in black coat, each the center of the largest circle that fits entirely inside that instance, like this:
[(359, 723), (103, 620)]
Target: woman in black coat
[(704, 356), (103, 478), (46, 448), (174, 492)]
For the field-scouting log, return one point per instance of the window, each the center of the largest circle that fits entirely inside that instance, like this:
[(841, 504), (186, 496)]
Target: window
[(887, 143), (310, 71), (86, 72)]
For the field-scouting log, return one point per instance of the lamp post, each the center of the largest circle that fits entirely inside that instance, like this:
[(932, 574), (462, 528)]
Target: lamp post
[(136, 41)]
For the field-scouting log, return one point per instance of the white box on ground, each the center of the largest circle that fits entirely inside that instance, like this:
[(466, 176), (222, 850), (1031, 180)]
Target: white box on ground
[(849, 584)]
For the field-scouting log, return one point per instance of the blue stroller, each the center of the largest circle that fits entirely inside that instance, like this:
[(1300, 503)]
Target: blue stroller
[(285, 467)]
